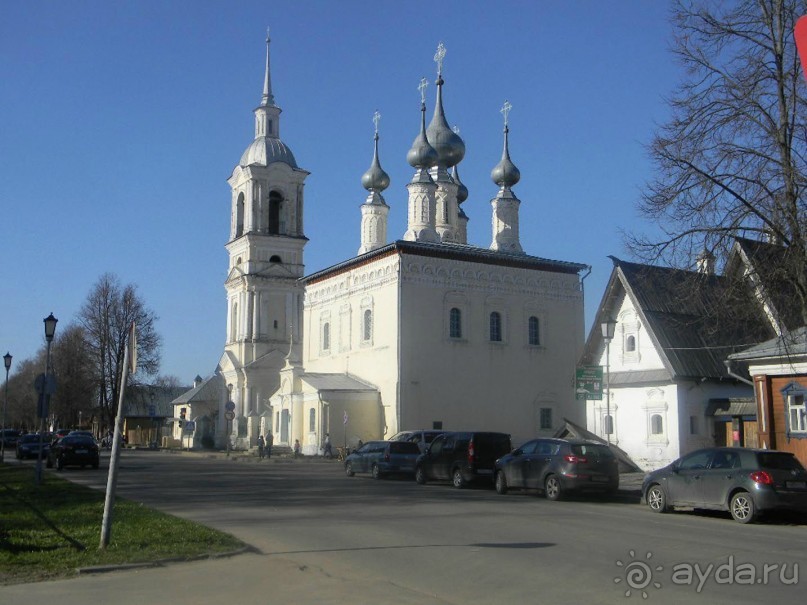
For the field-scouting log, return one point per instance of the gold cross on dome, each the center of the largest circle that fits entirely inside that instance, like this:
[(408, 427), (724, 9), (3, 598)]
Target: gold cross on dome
[(456, 129), (376, 120), (267, 33), (438, 58), (422, 88), (505, 110)]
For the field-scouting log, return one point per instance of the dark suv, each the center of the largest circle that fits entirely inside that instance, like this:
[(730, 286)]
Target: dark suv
[(461, 457), (743, 481), (558, 466)]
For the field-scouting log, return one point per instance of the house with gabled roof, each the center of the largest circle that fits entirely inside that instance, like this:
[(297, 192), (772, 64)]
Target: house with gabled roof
[(670, 389)]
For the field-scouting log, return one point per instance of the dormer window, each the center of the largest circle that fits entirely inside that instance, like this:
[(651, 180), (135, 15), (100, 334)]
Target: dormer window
[(275, 259)]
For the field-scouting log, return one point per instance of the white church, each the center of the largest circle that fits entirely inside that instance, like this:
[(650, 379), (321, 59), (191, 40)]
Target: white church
[(425, 331)]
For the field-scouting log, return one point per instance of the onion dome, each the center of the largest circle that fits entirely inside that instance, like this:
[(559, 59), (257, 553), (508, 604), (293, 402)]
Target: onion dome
[(375, 179), (505, 174), (422, 154), (462, 190), (265, 151), (449, 146)]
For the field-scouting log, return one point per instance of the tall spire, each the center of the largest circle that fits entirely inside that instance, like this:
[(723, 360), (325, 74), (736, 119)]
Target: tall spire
[(374, 210), (505, 204), (449, 146), (505, 174), (375, 179), (268, 98)]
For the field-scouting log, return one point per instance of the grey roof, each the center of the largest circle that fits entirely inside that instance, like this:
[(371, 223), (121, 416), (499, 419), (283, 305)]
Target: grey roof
[(789, 345), (139, 398), (209, 390), (733, 406), (639, 377), (695, 320), (570, 429), (267, 150), (462, 252), (336, 382)]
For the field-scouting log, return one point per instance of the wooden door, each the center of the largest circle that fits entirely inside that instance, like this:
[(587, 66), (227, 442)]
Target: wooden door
[(750, 436)]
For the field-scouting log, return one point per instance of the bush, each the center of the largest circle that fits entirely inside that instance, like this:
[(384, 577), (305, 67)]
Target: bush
[(207, 442)]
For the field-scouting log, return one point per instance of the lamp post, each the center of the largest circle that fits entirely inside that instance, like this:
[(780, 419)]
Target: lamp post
[(47, 388), (608, 329), (7, 362)]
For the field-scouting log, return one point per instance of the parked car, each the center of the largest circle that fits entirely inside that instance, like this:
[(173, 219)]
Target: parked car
[(82, 433), (557, 467), (10, 437), (75, 450), (462, 457), (745, 482), (422, 437), (28, 446), (381, 458)]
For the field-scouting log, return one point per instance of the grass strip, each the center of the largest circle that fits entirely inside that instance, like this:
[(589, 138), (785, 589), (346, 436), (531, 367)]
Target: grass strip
[(51, 531)]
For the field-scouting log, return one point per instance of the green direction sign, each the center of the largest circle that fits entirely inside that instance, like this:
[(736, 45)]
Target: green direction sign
[(588, 383)]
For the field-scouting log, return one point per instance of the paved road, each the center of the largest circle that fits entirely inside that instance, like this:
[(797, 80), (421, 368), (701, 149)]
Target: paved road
[(321, 537)]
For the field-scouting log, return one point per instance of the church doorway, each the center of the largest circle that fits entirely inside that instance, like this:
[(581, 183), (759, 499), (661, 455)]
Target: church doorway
[(284, 426)]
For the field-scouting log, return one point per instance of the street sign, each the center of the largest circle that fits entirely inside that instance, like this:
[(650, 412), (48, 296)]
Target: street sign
[(588, 382), (229, 406), (189, 427), (229, 415), (45, 384), (344, 418)]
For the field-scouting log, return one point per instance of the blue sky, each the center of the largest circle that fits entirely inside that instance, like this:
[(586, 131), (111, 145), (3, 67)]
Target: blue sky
[(121, 121)]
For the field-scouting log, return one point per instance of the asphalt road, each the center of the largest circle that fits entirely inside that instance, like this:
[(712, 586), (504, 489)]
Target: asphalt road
[(320, 537)]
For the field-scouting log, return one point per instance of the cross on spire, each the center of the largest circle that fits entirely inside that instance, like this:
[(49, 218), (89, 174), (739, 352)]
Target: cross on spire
[(438, 58), (376, 120), (267, 33), (422, 88), (456, 129), (505, 110)]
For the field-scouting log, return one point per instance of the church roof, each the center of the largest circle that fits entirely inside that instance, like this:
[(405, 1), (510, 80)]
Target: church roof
[(336, 382), (267, 150), (453, 251), (209, 390)]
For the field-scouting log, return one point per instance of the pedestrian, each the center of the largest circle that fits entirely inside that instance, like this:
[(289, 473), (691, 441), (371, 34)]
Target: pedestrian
[(261, 446), (269, 441), (326, 450), (296, 448)]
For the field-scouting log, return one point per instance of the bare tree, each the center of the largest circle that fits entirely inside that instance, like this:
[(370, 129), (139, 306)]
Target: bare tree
[(73, 400), (106, 316), (731, 160)]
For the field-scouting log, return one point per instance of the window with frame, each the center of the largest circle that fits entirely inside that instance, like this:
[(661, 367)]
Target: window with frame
[(797, 413), (455, 323), (656, 425), (326, 336), (534, 331), (630, 344), (608, 421), (367, 325), (495, 327), (312, 420), (545, 421), (693, 425)]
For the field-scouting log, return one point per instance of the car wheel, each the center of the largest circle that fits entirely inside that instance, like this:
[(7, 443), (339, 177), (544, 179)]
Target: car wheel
[(376, 472), (420, 475), (657, 499), (501, 483), (349, 469), (59, 463), (552, 488), (457, 479), (742, 507)]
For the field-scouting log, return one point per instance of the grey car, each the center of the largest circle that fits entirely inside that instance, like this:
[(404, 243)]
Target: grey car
[(745, 482), (558, 467), (381, 458)]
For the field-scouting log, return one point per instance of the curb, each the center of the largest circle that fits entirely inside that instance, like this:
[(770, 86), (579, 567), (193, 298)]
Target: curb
[(164, 562)]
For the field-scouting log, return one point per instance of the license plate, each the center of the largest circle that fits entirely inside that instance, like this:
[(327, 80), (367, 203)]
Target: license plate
[(796, 484), (81, 451)]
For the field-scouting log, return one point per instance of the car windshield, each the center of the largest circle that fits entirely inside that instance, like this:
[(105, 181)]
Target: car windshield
[(404, 447), (779, 461), (77, 440), (32, 438)]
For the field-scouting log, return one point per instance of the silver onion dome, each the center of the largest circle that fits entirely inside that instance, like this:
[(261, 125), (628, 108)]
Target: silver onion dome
[(505, 174), (375, 179), (462, 190), (448, 144), (422, 154)]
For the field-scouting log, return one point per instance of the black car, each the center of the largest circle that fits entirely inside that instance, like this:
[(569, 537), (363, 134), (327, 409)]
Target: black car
[(745, 482), (558, 466), (381, 458), (75, 450), (28, 446), (461, 457), (422, 437)]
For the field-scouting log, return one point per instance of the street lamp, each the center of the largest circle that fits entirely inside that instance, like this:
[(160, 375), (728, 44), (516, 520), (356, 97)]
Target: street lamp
[(47, 388), (608, 329), (7, 361)]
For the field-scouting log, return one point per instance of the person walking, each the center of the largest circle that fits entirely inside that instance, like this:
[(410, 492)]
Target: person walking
[(261, 447), (326, 449), (268, 445), (296, 448)]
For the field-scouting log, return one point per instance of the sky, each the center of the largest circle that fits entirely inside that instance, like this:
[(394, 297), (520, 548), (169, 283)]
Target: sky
[(120, 123)]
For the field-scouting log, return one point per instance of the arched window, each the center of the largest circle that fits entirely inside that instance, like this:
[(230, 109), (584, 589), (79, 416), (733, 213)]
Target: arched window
[(495, 327), (275, 259), (239, 216), (455, 323), (534, 331), (275, 201), (630, 344), (367, 332), (609, 424), (326, 337), (312, 420), (656, 424)]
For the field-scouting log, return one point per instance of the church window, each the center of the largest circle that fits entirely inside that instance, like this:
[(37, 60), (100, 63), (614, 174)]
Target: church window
[(326, 336), (367, 332), (312, 420), (275, 201), (630, 344), (608, 420), (239, 216), (546, 418), (534, 331), (455, 323), (656, 424), (495, 327), (275, 259), (269, 127)]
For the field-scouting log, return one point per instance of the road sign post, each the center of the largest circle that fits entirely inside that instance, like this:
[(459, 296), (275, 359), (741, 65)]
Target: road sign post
[(588, 382)]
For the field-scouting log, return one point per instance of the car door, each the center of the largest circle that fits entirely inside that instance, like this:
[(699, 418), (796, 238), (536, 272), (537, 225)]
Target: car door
[(719, 478), (685, 482), (514, 469), (538, 462), (432, 455), (362, 456), (441, 465)]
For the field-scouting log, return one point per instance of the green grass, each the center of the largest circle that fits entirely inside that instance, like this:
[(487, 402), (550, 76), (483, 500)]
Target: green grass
[(51, 531)]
